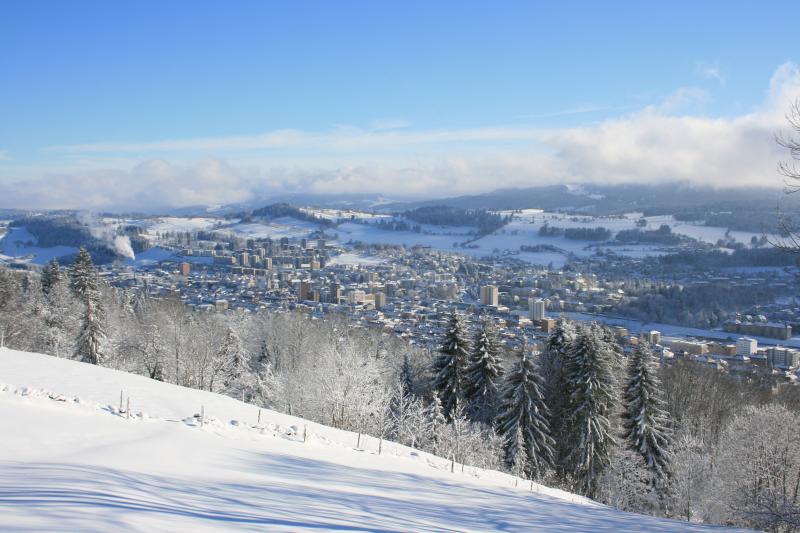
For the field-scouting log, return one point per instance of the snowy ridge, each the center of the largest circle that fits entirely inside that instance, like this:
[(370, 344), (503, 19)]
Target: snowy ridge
[(71, 460)]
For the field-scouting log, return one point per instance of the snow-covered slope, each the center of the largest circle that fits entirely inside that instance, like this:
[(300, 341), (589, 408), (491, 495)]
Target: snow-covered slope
[(70, 461)]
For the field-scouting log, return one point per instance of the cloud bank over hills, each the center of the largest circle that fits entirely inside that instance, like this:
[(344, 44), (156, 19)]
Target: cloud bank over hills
[(670, 141)]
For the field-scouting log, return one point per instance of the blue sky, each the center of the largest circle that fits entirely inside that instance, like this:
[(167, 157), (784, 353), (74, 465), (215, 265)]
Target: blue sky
[(263, 97)]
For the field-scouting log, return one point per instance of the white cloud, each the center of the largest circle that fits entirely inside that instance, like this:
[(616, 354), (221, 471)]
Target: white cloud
[(580, 110), (342, 139), (4, 155), (669, 141), (390, 123), (684, 100), (711, 72), (654, 146), (153, 183)]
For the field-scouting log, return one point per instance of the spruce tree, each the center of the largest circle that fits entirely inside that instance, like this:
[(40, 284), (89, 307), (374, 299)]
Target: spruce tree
[(593, 396), (515, 450), (645, 418), (557, 390), (85, 286), (83, 276), (449, 367), (407, 377), (483, 373), (51, 276), (523, 410)]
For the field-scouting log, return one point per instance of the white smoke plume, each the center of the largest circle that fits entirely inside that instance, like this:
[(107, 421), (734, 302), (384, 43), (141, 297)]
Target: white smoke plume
[(107, 233), (122, 244)]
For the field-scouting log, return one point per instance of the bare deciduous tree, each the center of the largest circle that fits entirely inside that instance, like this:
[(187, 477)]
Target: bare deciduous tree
[(790, 169)]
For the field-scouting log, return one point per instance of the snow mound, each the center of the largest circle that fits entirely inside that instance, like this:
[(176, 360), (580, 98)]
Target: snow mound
[(85, 448)]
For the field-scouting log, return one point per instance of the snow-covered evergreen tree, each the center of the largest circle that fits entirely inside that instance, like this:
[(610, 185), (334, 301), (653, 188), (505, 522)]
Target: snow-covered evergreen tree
[(51, 275), (85, 286), (515, 450), (557, 390), (593, 396), (83, 276), (646, 420), (523, 410), (407, 376), (264, 355), (450, 366), (483, 373)]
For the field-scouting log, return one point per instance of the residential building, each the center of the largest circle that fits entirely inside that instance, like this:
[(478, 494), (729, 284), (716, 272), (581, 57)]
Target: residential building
[(490, 295)]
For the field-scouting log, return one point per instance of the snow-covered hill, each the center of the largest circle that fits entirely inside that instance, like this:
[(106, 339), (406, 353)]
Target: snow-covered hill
[(71, 461)]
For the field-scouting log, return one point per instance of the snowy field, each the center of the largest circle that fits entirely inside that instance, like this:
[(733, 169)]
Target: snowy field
[(336, 214), (20, 245), (71, 461), (523, 230), (356, 259), (274, 229), (179, 224)]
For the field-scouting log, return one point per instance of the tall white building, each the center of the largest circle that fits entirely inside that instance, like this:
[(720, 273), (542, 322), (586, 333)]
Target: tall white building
[(746, 347), (536, 308), (356, 297), (490, 295)]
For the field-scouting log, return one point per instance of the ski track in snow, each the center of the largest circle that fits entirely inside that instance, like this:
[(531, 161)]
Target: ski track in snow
[(71, 461)]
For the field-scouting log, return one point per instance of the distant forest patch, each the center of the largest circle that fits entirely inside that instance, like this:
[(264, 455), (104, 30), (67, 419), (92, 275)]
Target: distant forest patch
[(439, 215), (287, 210), (662, 235), (66, 231), (576, 234)]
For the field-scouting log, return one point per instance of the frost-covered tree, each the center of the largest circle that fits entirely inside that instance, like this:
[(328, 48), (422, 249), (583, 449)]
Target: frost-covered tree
[(436, 424), (483, 373), (523, 410), (85, 285), (593, 396), (407, 422), (556, 385), (266, 390), (60, 319), (627, 484), (153, 352), (233, 365), (449, 367), (691, 491), (645, 418), (759, 468)]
